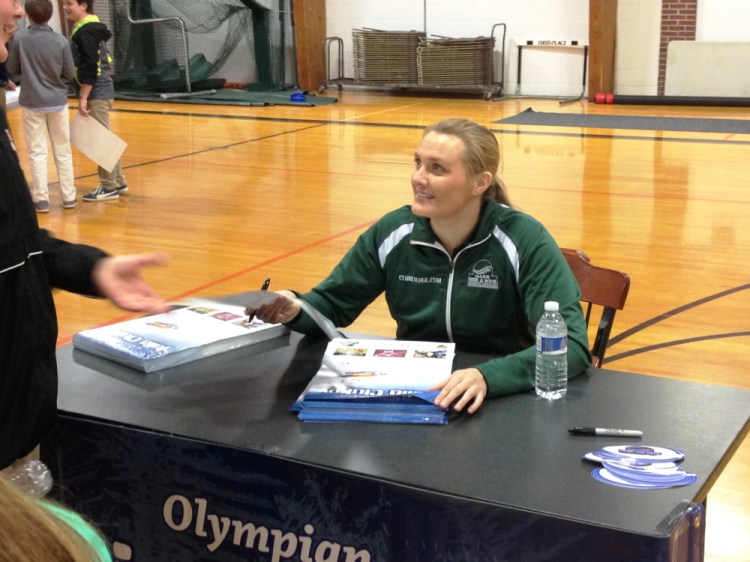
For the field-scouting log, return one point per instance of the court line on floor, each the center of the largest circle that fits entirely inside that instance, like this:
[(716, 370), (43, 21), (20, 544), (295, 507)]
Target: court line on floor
[(674, 343), (670, 314), (388, 110), (272, 260), (205, 150)]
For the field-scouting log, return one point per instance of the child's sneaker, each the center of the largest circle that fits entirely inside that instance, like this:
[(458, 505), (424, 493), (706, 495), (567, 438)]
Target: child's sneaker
[(101, 194), (70, 204), (41, 206), (122, 188)]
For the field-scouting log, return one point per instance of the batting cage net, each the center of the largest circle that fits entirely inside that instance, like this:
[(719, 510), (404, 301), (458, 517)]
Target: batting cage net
[(190, 45)]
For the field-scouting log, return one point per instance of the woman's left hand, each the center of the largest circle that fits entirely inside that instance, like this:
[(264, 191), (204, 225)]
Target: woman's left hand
[(464, 387)]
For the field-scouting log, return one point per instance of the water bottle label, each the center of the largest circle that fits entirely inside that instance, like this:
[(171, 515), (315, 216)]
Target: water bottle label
[(552, 345)]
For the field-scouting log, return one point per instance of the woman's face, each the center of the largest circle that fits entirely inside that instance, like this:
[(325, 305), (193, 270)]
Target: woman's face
[(440, 182), (10, 12)]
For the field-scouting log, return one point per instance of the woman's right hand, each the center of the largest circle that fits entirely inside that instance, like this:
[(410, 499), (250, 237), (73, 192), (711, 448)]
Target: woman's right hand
[(284, 309)]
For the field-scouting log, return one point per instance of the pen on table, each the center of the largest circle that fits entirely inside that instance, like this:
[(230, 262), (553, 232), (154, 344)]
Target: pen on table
[(605, 431), (264, 287)]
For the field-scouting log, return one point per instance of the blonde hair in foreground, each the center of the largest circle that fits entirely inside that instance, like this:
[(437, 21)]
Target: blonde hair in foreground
[(481, 152), (31, 533)]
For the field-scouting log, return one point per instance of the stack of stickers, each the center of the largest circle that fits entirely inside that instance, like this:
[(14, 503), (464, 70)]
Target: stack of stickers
[(640, 466)]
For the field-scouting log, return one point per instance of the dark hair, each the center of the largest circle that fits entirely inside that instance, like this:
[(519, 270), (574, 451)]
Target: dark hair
[(39, 11), (481, 152), (89, 5)]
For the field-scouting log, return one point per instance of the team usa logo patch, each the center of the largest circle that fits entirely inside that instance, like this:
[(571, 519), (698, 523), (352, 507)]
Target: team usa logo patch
[(483, 276)]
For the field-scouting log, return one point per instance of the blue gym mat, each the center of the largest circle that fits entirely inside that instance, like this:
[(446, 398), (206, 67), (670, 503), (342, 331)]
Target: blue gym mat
[(687, 124)]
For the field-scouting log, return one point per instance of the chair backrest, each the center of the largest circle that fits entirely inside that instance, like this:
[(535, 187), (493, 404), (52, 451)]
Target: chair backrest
[(606, 288)]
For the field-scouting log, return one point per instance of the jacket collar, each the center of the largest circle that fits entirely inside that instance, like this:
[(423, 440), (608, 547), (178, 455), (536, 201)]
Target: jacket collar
[(423, 231), (91, 18)]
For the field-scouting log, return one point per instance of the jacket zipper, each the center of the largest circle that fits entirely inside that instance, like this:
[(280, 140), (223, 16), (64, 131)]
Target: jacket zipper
[(453, 260)]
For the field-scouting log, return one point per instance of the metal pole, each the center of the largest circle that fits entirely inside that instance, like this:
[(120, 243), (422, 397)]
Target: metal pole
[(183, 29)]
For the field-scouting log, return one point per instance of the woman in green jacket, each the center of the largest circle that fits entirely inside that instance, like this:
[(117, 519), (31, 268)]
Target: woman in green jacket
[(459, 265)]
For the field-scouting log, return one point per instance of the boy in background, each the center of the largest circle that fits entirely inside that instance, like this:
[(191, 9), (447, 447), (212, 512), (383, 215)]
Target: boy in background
[(43, 58), (96, 91)]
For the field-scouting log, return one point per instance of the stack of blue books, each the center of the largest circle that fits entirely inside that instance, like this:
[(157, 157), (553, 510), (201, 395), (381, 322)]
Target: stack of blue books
[(194, 329), (402, 408), (382, 381)]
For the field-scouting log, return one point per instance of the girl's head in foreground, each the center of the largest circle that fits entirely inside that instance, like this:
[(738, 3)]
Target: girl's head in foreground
[(456, 167), (30, 532)]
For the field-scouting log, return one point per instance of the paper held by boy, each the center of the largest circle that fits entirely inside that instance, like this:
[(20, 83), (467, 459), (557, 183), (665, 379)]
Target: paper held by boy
[(11, 98), (96, 141)]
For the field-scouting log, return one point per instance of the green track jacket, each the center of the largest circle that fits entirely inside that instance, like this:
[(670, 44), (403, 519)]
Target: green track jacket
[(487, 299)]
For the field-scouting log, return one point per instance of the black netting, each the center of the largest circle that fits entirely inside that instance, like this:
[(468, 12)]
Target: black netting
[(188, 45)]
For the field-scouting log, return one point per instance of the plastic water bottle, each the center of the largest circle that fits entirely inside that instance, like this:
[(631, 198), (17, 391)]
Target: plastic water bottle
[(551, 353), (33, 477)]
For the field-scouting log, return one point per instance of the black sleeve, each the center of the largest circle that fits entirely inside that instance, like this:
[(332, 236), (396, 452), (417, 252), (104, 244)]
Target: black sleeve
[(5, 75), (69, 266), (88, 50)]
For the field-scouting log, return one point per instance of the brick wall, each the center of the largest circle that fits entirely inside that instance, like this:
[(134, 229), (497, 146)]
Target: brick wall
[(677, 23)]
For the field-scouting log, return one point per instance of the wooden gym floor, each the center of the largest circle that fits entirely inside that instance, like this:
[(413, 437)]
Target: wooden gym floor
[(238, 194)]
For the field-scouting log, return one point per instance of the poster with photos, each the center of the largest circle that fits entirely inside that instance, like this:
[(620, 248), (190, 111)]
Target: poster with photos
[(379, 369)]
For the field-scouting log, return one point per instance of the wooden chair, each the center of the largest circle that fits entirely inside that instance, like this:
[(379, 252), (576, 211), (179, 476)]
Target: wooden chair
[(602, 287)]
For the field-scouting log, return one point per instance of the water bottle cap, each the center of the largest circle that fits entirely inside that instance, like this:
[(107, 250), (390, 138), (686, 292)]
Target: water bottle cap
[(551, 306)]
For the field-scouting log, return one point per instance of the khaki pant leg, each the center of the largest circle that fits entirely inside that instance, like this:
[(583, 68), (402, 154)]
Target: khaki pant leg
[(99, 110)]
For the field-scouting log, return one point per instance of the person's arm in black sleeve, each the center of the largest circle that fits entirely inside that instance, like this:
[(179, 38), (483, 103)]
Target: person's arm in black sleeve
[(5, 71), (70, 266)]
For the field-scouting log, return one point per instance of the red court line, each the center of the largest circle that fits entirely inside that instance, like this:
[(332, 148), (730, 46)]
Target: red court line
[(66, 340)]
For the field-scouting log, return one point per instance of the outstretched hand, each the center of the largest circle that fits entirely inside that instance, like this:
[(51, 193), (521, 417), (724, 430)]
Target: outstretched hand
[(464, 387), (284, 309), (119, 279)]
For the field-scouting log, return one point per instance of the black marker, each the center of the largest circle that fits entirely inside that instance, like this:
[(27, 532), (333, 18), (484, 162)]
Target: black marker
[(605, 431), (264, 287)]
